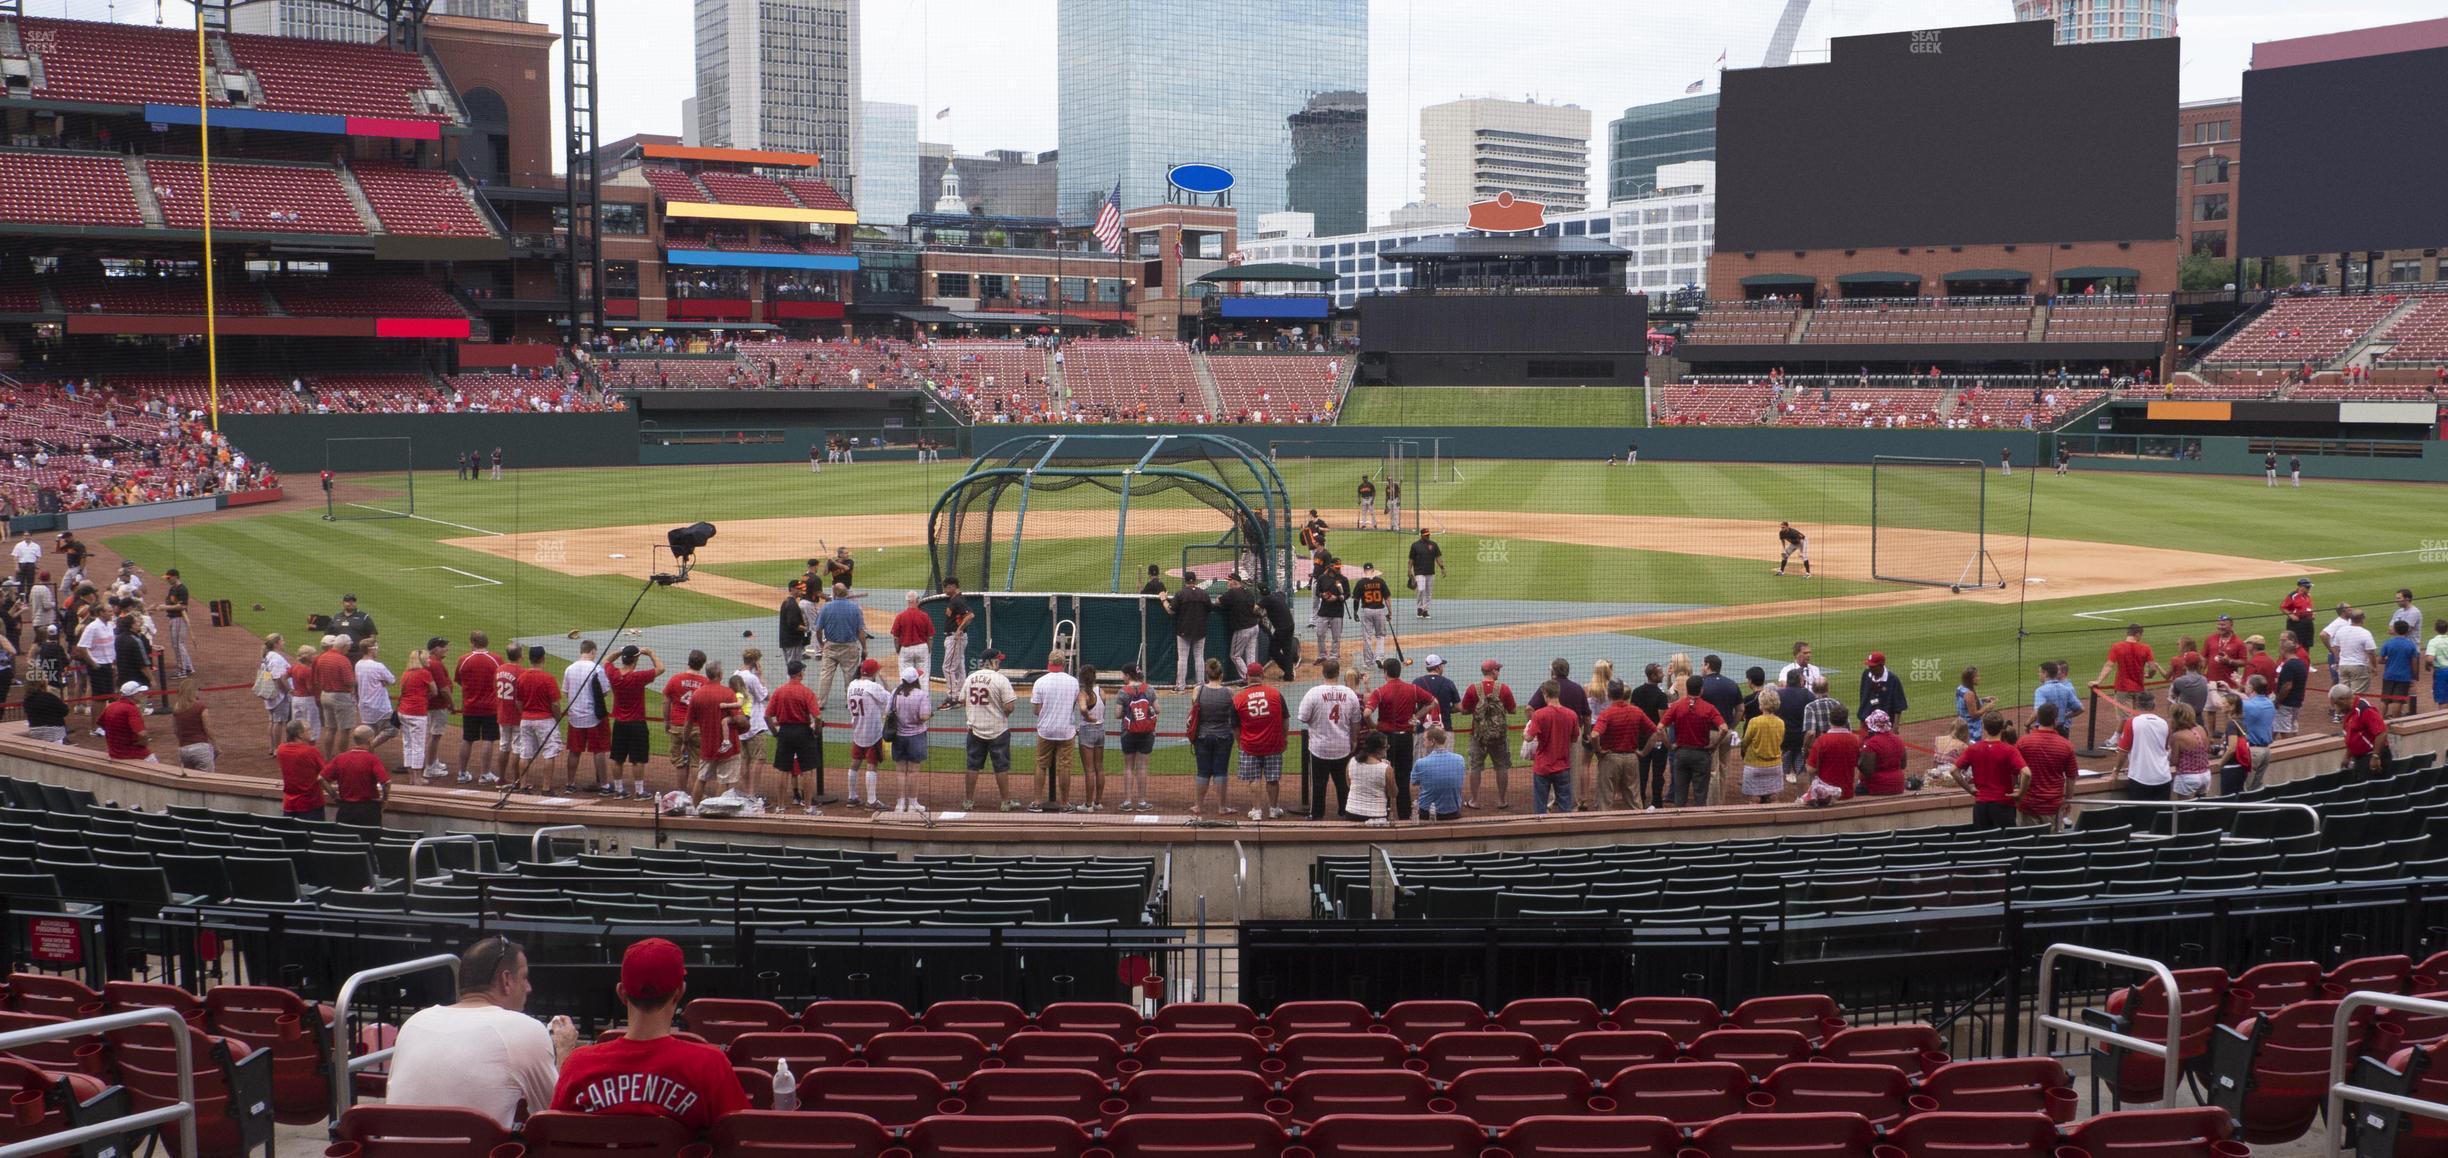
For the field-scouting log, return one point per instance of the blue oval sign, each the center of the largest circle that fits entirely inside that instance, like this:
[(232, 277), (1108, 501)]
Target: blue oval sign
[(1200, 178)]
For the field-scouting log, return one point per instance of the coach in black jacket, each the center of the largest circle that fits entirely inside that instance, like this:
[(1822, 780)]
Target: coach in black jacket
[(1283, 639), (794, 628), (1882, 690)]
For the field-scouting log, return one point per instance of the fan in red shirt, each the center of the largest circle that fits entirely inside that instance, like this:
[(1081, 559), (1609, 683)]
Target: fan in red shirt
[(794, 713), (1994, 767), (677, 692), (2224, 652), (912, 630), (2130, 665), (1398, 705), (1259, 710), (301, 770), (479, 727), (629, 682), (2365, 729), (1551, 731), (123, 726), (716, 715), (1835, 761), (2048, 757), (415, 713), (535, 696), (360, 781), (647, 1071)]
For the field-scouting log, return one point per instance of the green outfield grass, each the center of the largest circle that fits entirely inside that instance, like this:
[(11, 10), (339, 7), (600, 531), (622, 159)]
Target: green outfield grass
[(1492, 406)]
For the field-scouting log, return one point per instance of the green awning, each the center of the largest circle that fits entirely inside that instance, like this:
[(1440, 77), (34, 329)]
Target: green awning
[(1269, 271), (1988, 275), (2095, 271), (1878, 277), (1778, 279)]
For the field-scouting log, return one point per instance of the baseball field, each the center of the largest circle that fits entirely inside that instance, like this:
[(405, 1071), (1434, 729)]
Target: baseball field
[(1580, 560)]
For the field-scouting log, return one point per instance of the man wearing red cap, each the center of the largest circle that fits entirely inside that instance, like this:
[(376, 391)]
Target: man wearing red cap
[(1259, 710), (647, 1071)]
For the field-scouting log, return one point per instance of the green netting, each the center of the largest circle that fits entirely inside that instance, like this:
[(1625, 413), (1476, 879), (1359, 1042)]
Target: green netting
[(1926, 522)]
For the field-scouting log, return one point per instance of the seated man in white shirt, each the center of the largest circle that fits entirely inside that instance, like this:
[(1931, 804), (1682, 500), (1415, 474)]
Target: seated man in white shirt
[(480, 1052)]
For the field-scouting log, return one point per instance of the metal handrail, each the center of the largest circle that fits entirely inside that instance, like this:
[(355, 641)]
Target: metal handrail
[(1394, 885), (2169, 1071), (536, 852), (2241, 805), (1240, 882), (183, 1113), (417, 849), (345, 1068), (2340, 1088)]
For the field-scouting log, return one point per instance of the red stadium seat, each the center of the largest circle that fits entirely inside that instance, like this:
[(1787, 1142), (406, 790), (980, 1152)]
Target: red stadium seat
[(1196, 1136), (1395, 1136), (1876, 1092), (854, 1021), (960, 1136), (52, 996), (2415, 1072), (298, 1036), (1304, 1052), (1587, 1135), (86, 1054), (2272, 1072), (233, 1086), (420, 1132), (1786, 1136), (1193, 1092), (2142, 1012), (1111, 1018), (1318, 1093), (1601, 1053), (1914, 1049), (2013, 1085), (949, 1056), (1687, 1092), (45, 1102), (1812, 1015), (1417, 1021), (2190, 1132), (757, 1084), (720, 1019), (894, 1097), (1549, 1019), (1448, 1054), (988, 1021), (120, 996), (806, 1051), (1200, 1051), (1007, 1093), (1758, 1051), (560, 1134), (1941, 1134), (1040, 1049), (2386, 974), (1205, 1017), (1501, 1097), (2270, 987), (797, 1134), (1293, 1017), (1681, 1018)]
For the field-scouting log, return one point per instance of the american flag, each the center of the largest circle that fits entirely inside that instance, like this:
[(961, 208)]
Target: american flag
[(1109, 221), (1695, 86)]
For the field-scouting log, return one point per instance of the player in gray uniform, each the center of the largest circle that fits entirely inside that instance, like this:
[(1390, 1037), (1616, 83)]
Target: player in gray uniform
[(1368, 502), (1331, 594), (1792, 543), (1375, 598)]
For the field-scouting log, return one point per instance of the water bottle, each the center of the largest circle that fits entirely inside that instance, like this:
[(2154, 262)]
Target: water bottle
[(785, 1086)]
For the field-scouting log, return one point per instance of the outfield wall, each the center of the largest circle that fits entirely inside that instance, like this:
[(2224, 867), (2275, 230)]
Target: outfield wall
[(293, 443)]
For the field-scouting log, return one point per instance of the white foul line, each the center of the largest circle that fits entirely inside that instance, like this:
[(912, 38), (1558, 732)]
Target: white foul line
[(407, 515), (2106, 612), (480, 581), (2364, 555)]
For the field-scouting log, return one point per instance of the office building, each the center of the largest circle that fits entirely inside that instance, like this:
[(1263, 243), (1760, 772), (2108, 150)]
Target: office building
[(1665, 133), (1471, 150), (1002, 183), (2093, 21), (1329, 174), (2209, 163), (887, 186), (781, 75), (1148, 84), (325, 20)]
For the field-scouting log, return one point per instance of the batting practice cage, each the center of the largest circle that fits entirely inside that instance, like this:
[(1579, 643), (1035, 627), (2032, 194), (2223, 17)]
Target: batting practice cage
[(381, 478), (1927, 523)]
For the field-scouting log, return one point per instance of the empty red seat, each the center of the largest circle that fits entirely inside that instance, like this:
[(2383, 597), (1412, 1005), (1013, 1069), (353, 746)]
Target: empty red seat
[(853, 1021), (2033, 1085), (1194, 1092), (1041, 1049), (2142, 1012), (949, 1056), (987, 1021), (1813, 1015), (1915, 1049), (121, 996), (1318, 1093), (1111, 1018), (797, 1134), (806, 1051), (2384, 974), (297, 1034), (1681, 1018), (1549, 1019), (719, 1019), (1417, 1021), (1602, 1053), (2188, 1132), (1758, 1051), (1199, 1051), (420, 1132), (45, 1102), (1941, 1134), (1688, 1093), (1009, 1093), (1786, 1136), (1293, 1017), (1303, 1052), (1195, 1136), (561, 1134), (1501, 1097), (233, 1086), (52, 996), (75, 1054), (1876, 1092), (758, 1085), (959, 1136), (1584, 1136), (2272, 1072), (1395, 1136), (2415, 1072), (2392, 1028), (2270, 987), (1448, 1054), (1205, 1017), (890, 1095)]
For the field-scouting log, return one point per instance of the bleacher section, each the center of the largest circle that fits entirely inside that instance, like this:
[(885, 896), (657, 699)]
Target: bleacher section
[(95, 294), (2297, 330), (1277, 388), (2421, 335), (674, 185), (745, 189), (104, 449), (1921, 320), (1121, 376), (255, 198), (420, 202), (335, 78), (1743, 324), (815, 194), (112, 64), (66, 189), (2007, 408), (2112, 318), (365, 295), (1875, 407), (126, 64), (672, 373), (1713, 405)]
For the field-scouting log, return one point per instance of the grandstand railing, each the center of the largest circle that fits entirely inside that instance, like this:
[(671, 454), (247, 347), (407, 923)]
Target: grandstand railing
[(183, 1112), (543, 836), (2170, 1075), (2342, 1055), (2178, 808), (346, 1067), (416, 856)]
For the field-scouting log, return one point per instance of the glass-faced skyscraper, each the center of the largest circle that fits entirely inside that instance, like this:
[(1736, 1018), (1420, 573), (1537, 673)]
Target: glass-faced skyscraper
[(1148, 84)]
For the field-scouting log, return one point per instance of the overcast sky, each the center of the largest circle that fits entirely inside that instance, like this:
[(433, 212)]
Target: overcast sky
[(991, 62)]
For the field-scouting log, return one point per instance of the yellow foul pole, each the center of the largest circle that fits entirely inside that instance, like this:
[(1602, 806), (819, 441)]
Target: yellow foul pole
[(212, 342)]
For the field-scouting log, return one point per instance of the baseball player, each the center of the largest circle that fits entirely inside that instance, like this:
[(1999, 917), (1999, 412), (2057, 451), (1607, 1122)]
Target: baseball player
[(2269, 468), (1792, 543), (1331, 594), (1394, 502), (2006, 461), (2065, 458), (1427, 562), (956, 635), (1368, 503), (1376, 598), (2295, 469)]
